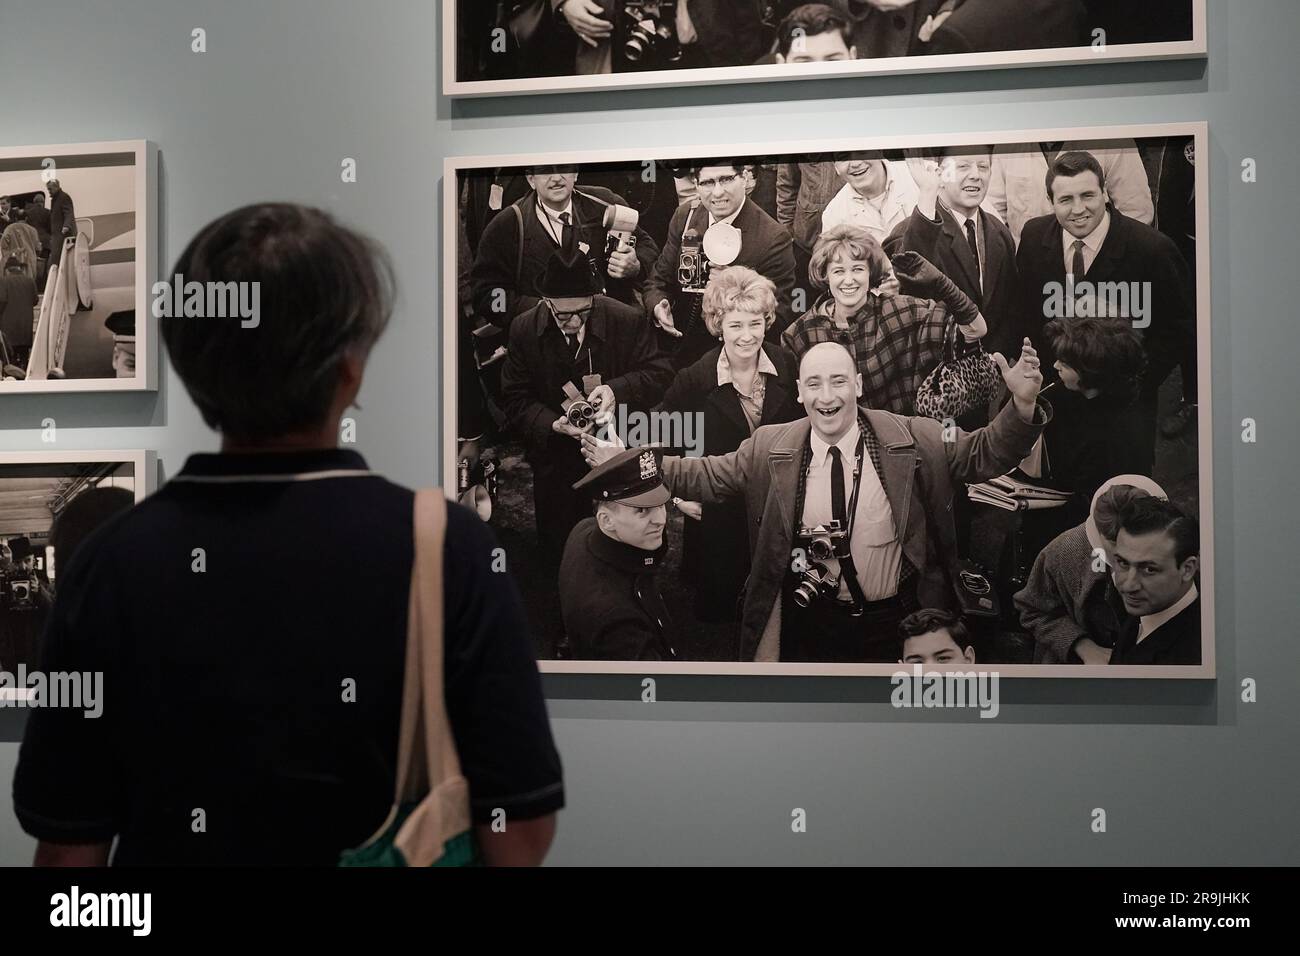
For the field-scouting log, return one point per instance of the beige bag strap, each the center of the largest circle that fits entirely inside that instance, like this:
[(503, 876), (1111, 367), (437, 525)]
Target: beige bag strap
[(426, 755)]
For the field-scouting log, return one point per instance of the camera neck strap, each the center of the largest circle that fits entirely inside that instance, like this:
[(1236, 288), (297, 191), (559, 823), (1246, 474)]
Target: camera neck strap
[(847, 569)]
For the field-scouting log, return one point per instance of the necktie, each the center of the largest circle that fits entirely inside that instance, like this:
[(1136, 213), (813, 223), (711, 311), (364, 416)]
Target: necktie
[(970, 240), (1077, 268), (566, 230), (838, 510)]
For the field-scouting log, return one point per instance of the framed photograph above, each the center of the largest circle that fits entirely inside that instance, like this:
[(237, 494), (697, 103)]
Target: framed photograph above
[(78, 253), (750, 410), (49, 503), (548, 46)]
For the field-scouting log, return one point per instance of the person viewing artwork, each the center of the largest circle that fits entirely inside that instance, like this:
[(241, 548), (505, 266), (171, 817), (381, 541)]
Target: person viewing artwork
[(235, 698)]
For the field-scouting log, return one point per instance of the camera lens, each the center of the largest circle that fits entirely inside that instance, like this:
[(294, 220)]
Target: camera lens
[(804, 594)]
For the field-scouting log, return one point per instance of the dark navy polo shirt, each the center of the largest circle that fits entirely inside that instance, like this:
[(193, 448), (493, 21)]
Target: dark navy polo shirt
[(225, 688)]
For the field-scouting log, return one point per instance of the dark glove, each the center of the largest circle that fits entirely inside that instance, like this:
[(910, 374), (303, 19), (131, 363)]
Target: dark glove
[(919, 276)]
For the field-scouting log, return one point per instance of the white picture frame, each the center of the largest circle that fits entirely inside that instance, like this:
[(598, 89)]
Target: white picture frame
[(1199, 131), (144, 474), (1097, 52), (25, 167)]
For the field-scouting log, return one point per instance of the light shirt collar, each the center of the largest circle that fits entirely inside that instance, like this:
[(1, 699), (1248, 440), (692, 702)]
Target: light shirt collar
[(890, 183), (1093, 240), (961, 218), (551, 219), (765, 366), (1149, 622), (848, 446)]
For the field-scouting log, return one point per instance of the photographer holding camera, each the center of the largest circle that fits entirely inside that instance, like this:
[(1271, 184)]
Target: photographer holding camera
[(620, 36), (518, 243), (719, 227)]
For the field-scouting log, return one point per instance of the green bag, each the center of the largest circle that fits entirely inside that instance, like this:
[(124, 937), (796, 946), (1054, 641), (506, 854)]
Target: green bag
[(429, 823)]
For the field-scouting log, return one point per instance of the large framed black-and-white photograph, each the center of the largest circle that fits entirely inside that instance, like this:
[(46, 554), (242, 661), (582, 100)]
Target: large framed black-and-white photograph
[(78, 252), (535, 46), (825, 407), (49, 503)]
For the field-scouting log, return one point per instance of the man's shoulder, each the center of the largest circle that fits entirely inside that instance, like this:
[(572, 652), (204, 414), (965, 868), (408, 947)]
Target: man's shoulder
[(597, 197), (576, 550), (1146, 238), (1038, 229), (770, 437), (503, 224), (524, 325)]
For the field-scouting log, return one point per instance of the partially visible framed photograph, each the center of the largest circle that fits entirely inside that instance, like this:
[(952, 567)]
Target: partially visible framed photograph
[(78, 255), (49, 503), (1009, 333), (549, 46)]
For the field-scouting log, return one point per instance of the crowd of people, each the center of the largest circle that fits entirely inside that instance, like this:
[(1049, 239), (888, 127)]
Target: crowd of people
[(530, 38), (27, 583), (861, 336)]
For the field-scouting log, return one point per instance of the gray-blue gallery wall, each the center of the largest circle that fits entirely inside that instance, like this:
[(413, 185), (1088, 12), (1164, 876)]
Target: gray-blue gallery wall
[(1187, 773)]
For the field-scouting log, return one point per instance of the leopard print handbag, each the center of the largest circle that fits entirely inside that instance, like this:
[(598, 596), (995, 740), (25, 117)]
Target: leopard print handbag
[(965, 378)]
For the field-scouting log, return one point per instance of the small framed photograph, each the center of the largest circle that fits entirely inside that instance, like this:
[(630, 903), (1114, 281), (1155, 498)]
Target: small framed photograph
[(549, 46), (651, 367), (49, 503), (78, 255)]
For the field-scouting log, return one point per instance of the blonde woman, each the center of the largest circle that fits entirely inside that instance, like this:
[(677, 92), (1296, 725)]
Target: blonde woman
[(742, 383)]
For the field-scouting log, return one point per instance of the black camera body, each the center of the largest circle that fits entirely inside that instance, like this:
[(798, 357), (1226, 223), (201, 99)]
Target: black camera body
[(18, 590), (647, 34), (822, 543), (692, 264)]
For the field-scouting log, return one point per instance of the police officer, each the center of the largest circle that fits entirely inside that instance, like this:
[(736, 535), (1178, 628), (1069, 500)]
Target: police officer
[(609, 587)]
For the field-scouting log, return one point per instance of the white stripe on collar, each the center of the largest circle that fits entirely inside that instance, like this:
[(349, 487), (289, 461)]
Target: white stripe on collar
[(291, 476)]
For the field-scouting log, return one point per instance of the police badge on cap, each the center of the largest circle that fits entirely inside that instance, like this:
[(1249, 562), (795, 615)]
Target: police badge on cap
[(632, 477)]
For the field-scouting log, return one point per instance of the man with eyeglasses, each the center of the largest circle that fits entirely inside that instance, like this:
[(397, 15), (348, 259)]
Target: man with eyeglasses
[(719, 227), (573, 343)]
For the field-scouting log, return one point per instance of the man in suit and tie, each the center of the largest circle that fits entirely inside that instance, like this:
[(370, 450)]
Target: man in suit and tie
[(1157, 559), (972, 248), (1017, 193), (720, 227), (1089, 258), (889, 481), (554, 216)]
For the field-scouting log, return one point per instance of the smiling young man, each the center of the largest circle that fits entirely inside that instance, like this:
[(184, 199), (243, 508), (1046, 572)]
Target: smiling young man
[(876, 196), (1086, 237), (1157, 560), (885, 477)]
